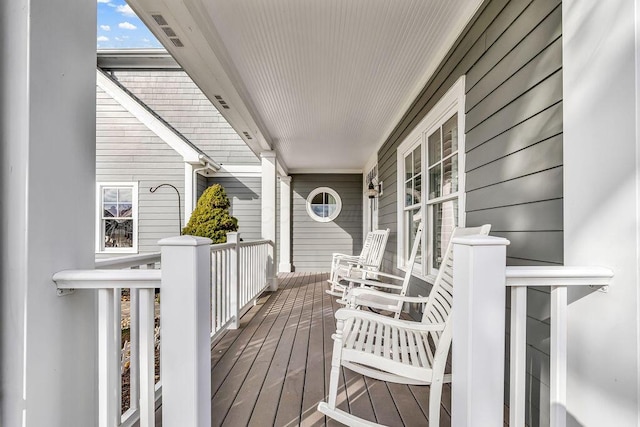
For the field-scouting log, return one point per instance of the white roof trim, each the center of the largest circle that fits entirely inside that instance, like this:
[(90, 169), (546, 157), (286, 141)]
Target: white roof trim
[(155, 125)]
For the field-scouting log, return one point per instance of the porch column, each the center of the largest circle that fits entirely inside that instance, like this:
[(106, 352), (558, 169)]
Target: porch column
[(190, 185), (478, 330), (285, 224), (269, 179), (601, 81), (48, 345)]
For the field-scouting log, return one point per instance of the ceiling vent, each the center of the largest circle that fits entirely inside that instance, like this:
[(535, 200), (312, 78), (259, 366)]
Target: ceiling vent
[(222, 102), (176, 42), (164, 26), (246, 134), (159, 19), (169, 32)]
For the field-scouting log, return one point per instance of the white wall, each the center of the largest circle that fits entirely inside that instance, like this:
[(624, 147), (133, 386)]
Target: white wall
[(600, 210), (47, 127)]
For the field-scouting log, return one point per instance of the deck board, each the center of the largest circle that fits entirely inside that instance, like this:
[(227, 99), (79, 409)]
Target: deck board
[(275, 368)]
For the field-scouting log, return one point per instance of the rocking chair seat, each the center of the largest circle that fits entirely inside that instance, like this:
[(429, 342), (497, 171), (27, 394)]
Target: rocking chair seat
[(390, 350)]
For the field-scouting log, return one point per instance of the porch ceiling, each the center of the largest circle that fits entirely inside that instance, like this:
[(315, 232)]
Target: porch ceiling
[(323, 82)]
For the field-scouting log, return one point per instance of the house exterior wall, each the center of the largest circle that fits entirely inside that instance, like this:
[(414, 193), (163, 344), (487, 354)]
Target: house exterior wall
[(244, 195), (48, 346), (127, 151), (177, 99), (601, 146), (511, 54), (313, 242)]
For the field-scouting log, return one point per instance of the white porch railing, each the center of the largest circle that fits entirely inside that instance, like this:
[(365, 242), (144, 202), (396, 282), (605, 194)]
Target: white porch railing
[(231, 276), (481, 279), (558, 279), (138, 274), (239, 272)]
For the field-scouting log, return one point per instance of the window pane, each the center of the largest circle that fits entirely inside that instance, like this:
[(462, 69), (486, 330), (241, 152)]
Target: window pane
[(450, 134), (417, 188), (109, 210), (118, 233), (417, 160), (445, 219), (330, 199), (109, 195), (408, 191), (450, 175), (408, 167), (320, 210), (125, 195), (412, 221), (434, 148), (124, 210), (317, 199), (435, 182)]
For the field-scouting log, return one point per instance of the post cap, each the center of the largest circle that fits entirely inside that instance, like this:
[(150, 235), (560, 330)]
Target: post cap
[(480, 240), (185, 241)]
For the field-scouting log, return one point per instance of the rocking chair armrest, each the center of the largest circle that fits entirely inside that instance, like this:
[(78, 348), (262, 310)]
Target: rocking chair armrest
[(344, 256), (387, 275), (357, 292), (368, 282), (350, 313)]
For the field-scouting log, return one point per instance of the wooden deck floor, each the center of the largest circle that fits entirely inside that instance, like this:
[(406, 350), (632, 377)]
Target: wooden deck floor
[(274, 370)]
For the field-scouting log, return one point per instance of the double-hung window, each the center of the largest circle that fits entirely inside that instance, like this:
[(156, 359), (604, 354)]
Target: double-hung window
[(431, 182), (117, 228)]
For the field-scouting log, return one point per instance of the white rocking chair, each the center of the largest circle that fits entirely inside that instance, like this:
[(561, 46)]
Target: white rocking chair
[(367, 296), (368, 261), (395, 350)]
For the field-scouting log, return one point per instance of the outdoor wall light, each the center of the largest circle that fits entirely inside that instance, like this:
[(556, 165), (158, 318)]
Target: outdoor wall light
[(374, 191)]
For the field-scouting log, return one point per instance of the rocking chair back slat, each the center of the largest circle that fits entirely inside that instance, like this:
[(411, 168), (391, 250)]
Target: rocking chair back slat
[(369, 260)]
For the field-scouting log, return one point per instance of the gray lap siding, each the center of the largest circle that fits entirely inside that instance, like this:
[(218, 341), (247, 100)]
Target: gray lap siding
[(511, 55)]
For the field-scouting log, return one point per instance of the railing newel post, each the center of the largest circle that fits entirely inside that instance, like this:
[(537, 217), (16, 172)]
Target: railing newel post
[(234, 285), (186, 343), (479, 277)]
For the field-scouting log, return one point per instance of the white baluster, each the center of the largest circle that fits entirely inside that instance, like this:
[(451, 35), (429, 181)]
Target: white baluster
[(558, 386), (108, 360), (134, 338), (518, 356), (146, 331)]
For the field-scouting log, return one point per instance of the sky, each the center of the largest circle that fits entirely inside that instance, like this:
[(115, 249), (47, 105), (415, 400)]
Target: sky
[(119, 27)]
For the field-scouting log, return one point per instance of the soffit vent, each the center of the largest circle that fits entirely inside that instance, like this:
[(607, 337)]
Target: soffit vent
[(176, 42), (164, 26), (222, 102), (169, 32), (246, 134), (159, 19)]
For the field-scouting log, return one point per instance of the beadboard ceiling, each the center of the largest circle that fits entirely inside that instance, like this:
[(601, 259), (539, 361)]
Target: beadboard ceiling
[(322, 82)]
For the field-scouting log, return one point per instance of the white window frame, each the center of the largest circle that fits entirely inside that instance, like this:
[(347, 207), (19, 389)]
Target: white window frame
[(100, 249), (331, 217), (451, 103)]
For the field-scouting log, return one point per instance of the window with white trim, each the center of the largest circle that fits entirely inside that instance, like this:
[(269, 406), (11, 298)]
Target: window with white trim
[(324, 204), (117, 228), (431, 182)]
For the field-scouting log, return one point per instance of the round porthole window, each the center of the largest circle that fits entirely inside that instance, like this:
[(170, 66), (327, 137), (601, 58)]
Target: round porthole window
[(323, 204)]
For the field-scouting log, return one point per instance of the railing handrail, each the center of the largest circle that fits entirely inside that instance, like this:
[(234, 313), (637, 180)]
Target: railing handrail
[(255, 242), (559, 279), (222, 246), (107, 279), (128, 261), (558, 276)]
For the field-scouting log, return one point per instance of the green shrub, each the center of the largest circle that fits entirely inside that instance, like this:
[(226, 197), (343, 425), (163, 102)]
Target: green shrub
[(211, 216)]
